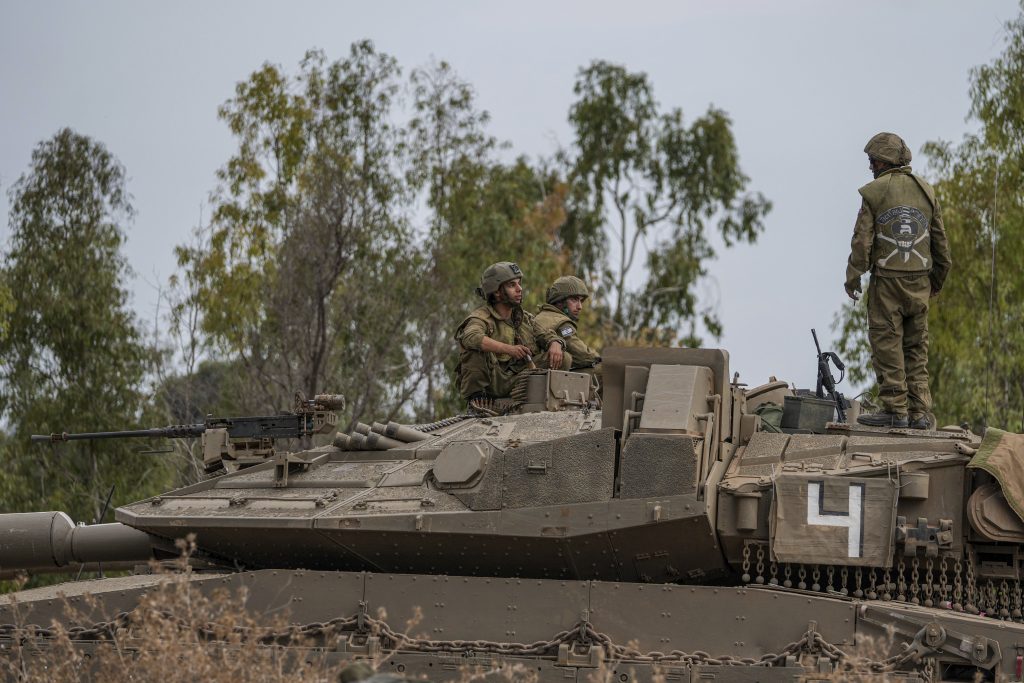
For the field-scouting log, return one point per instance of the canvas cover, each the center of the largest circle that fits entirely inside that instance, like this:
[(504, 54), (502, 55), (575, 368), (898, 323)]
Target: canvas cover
[(826, 519), (1001, 454)]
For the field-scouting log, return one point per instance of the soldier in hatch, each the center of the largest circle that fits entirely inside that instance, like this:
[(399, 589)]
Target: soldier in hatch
[(499, 340), (561, 315), (899, 237)]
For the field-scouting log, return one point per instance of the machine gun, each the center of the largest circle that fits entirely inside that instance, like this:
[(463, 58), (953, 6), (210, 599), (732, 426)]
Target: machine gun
[(234, 442), (826, 382)]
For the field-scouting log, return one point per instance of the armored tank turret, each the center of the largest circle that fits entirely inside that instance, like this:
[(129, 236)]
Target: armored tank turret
[(673, 532)]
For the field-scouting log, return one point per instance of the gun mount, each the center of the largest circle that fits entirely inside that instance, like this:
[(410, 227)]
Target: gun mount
[(597, 528), (234, 442)]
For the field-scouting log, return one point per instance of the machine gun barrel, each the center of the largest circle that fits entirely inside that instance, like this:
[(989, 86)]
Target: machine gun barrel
[(316, 416), (172, 432)]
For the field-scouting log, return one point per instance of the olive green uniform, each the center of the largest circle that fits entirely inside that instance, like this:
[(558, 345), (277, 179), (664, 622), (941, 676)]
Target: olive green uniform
[(582, 358), (494, 374), (899, 237)]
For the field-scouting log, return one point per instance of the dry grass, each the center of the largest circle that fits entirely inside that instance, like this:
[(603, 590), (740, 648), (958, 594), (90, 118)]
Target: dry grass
[(176, 634)]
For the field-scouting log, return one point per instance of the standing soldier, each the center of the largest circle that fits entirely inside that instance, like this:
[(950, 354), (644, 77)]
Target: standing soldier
[(898, 237), (499, 340), (561, 315)]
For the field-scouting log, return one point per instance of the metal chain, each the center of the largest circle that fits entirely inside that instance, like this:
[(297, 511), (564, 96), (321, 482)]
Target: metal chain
[(958, 586), (944, 584), (583, 633), (901, 583), (759, 578), (929, 587), (929, 669), (969, 600), (915, 581)]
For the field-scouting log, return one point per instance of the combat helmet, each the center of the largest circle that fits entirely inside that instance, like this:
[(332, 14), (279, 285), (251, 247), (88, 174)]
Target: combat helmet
[(566, 286), (495, 276), (888, 147)]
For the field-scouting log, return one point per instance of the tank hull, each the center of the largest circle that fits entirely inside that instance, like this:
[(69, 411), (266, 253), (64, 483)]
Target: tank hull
[(558, 629)]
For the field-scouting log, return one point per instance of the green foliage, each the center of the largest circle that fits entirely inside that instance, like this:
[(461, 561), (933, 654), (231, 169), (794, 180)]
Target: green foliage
[(644, 181), (308, 238), (310, 274), (976, 325), (980, 322), (71, 358), (6, 304), (852, 324)]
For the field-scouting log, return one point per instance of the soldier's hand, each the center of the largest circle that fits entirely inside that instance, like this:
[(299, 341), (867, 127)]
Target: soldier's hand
[(852, 293), (554, 355), (518, 351), (934, 293)]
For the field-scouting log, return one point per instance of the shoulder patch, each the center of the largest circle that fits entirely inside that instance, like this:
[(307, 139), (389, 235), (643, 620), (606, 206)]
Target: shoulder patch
[(567, 331)]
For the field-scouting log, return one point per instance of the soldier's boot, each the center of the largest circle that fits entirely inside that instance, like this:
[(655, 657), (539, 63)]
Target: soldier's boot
[(884, 419), (920, 422)]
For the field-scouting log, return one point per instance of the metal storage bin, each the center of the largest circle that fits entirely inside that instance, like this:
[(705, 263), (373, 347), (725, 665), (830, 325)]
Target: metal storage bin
[(807, 413)]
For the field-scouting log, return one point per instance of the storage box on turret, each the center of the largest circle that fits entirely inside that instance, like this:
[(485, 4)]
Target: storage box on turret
[(807, 414)]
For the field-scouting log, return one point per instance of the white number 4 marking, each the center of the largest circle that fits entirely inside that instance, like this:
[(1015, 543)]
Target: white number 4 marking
[(852, 520)]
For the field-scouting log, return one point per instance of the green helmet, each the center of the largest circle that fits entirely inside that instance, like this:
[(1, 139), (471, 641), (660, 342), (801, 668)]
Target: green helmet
[(566, 286), (495, 276), (888, 147)]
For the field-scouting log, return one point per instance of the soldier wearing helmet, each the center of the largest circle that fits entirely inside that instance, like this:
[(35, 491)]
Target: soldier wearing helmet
[(499, 340), (900, 239), (561, 315)]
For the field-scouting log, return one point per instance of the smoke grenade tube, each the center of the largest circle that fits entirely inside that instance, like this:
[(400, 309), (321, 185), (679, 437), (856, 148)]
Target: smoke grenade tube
[(382, 443), (403, 433)]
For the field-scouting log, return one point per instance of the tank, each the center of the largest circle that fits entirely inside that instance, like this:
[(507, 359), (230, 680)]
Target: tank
[(668, 531)]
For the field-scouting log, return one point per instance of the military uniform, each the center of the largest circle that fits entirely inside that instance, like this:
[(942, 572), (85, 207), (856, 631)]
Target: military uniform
[(582, 357), (494, 374), (900, 239)]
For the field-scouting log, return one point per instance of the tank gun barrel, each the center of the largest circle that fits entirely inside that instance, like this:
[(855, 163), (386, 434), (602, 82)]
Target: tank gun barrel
[(49, 541), (172, 432)]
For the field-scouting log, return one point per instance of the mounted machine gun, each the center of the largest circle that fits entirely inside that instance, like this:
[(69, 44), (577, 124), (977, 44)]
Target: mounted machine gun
[(235, 442)]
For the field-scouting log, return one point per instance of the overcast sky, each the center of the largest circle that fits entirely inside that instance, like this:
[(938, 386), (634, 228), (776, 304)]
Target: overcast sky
[(805, 82)]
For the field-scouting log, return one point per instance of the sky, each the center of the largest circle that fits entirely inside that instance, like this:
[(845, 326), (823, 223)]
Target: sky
[(806, 84)]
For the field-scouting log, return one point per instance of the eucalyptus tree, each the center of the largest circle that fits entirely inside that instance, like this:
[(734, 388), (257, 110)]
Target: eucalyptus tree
[(647, 188), (71, 355), (307, 274)]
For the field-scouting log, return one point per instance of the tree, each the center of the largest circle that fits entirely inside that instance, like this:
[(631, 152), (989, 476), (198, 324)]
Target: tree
[(71, 358), (309, 249), (976, 325), (645, 183)]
